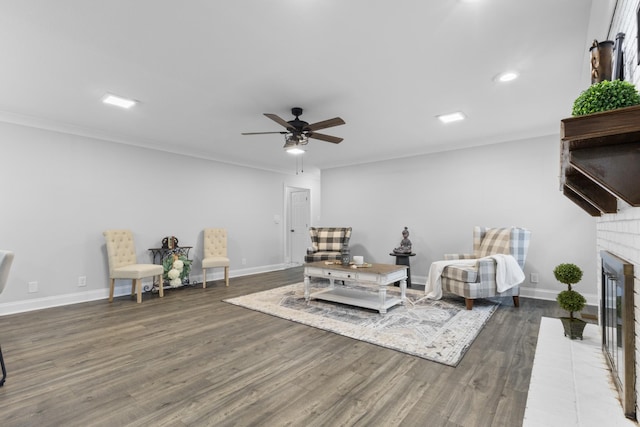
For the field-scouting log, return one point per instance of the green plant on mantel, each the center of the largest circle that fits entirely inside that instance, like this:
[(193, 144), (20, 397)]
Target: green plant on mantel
[(570, 300), (604, 96)]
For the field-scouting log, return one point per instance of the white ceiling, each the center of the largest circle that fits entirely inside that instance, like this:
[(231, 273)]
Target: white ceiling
[(205, 71)]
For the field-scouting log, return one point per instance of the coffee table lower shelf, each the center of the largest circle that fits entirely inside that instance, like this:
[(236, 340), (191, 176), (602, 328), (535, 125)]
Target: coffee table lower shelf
[(357, 297)]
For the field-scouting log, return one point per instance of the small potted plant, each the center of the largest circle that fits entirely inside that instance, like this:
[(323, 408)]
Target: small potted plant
[(570, 300), (604, 96)]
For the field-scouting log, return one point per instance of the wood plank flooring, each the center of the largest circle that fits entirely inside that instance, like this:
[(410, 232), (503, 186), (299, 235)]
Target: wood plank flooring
[(190, 359)]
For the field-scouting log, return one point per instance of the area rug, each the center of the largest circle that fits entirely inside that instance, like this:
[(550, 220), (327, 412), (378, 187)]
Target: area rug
[(440, 331)]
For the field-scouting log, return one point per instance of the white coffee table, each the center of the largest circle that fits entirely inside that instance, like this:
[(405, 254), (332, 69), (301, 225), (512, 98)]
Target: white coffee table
[(377, 275)]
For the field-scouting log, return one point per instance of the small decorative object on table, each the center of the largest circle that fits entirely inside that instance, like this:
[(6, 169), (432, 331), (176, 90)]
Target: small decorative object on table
[(405, 243), (344, 254), (363, 265), (170, 242), (570, 300)]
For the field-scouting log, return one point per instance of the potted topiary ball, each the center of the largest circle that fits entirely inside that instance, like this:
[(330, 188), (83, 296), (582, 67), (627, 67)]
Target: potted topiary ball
[(604, 96), (570, 300)]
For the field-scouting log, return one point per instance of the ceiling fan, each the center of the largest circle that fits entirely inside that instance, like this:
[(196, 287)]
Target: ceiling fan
[(298, 131)]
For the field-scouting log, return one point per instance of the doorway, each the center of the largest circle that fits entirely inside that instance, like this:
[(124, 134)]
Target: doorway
[(297, 224)]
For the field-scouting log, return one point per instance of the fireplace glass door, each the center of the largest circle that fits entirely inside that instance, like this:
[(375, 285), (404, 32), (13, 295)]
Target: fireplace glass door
[(617, 317)]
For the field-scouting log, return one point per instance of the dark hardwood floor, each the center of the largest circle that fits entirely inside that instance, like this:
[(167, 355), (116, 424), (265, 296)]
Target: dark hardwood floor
[(190, 359)]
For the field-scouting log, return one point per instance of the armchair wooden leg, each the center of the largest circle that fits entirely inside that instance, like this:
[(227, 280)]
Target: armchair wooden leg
[(226, 276), (204, 278), (469, 303), (161, 287), (138, 284), (112, 285), (516, 301), (133, 287)]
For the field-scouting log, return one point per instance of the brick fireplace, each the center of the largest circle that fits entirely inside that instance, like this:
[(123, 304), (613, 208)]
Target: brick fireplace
[(617, 320), (618, 232)]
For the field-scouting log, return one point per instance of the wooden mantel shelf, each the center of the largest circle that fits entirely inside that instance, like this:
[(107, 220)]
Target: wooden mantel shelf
[(600, 159)]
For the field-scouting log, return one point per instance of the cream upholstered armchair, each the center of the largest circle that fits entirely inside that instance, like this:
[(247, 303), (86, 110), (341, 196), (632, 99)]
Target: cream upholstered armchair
[(6, 258), (326, 243), (215, 253), (123, 264), (479, 281)]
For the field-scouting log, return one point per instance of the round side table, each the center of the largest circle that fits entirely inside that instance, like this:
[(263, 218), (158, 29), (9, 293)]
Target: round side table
[(403, 259)]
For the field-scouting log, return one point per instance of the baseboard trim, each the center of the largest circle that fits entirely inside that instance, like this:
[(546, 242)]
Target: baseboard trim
[(536, 293), (550, 295), (56, 301), (214, 274), (121, 289)]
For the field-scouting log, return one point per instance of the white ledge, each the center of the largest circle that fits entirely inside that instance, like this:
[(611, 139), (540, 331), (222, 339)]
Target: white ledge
[(571, 383)]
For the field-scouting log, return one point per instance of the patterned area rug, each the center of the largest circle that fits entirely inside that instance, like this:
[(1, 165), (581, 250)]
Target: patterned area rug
[(440, 331)]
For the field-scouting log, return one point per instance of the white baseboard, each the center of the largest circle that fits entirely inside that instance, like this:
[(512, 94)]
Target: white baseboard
[(55, 301), (536, 293), (121, 289), (216, 274), (550, 295), (418, 280)]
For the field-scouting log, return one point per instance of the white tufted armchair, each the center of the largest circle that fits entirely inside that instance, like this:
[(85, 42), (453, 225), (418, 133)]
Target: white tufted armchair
[(121, 252), (215, 253)]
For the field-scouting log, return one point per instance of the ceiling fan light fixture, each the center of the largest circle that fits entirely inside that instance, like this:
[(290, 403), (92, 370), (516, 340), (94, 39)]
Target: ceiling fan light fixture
[(295, 150), (293, 143)]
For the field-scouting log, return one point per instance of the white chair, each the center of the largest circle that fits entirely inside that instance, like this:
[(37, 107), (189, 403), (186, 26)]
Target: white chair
[(215, 253), (121, 252), (6, 258)]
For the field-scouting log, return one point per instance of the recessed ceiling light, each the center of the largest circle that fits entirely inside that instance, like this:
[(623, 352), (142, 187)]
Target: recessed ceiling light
[(451, 117), (506, 77), (118, 101)]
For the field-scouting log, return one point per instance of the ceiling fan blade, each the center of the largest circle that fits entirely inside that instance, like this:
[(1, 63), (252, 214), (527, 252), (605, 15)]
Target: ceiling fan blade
[(263, 133), (336, 121), (324, 137), (279, 120)]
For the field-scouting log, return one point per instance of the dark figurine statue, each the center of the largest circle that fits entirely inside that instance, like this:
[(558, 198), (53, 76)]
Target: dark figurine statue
[(405, 244)]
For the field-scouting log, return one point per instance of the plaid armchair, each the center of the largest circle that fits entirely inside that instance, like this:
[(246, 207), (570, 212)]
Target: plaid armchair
[(326, 243), (480, 281)]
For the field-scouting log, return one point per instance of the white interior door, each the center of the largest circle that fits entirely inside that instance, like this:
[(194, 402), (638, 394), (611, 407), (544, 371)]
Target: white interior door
[(298, 227)]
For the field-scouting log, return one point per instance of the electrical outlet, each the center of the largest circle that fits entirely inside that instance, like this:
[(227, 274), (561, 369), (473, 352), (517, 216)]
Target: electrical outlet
[(534, 278), (33, 287), (244, 261), (82, 281)]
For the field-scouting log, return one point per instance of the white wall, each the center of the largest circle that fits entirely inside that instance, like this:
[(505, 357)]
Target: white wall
[(440, 197), (60, 191)]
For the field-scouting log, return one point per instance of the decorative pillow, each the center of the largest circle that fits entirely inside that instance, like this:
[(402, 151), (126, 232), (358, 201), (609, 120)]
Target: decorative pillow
[(330, 239), (495, 241)]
